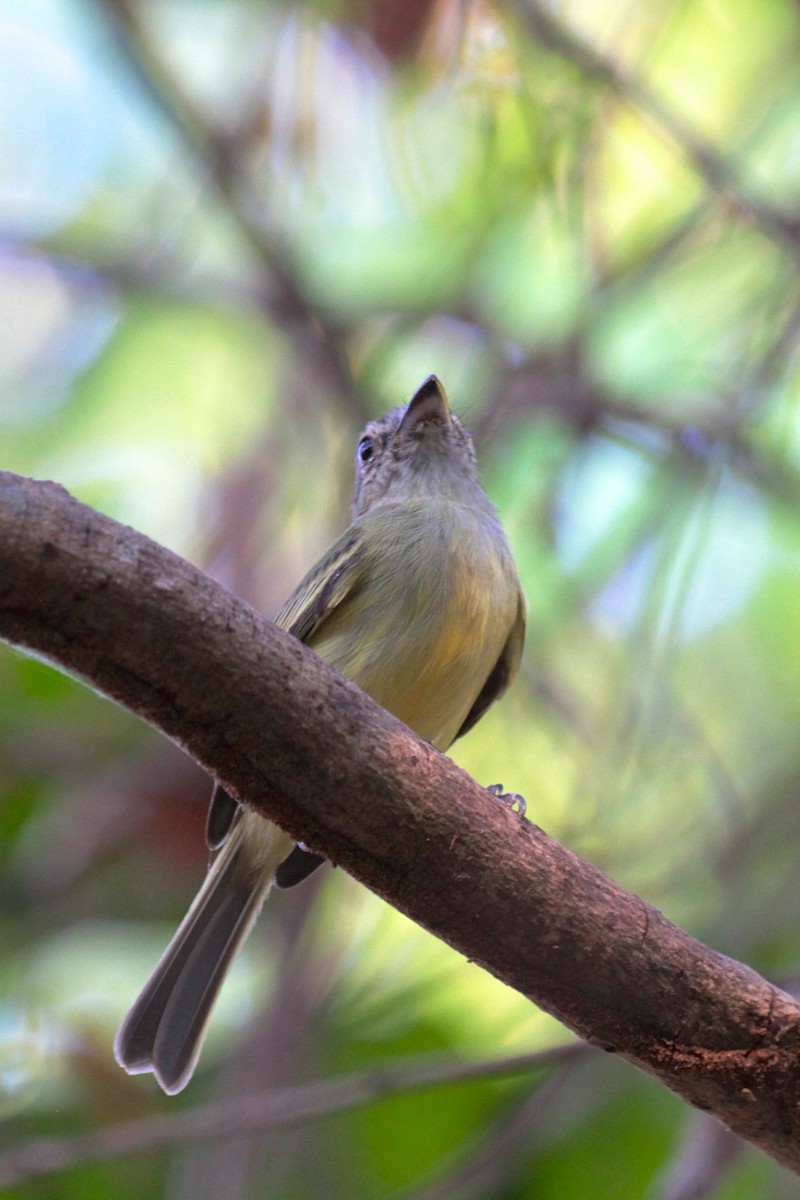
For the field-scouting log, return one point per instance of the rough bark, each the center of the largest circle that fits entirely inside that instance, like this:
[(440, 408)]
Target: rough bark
[(288, 735)]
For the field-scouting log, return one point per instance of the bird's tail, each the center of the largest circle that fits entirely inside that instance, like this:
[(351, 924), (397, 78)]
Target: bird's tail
[(164, 1030)]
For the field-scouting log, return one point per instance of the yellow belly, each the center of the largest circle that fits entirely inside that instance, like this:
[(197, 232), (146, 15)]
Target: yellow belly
[(430, 620)]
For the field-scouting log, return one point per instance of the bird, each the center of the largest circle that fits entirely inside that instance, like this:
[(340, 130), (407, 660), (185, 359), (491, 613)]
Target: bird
[(419, 603)]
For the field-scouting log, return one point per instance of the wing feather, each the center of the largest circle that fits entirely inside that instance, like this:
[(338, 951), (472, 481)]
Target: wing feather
[(502, 672), (325, 587)]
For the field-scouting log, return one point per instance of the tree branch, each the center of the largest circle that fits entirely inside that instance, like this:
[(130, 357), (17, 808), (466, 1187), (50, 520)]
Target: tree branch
[(276, 1109), (318, 340), (710, 165), (495, 1158), (287, 734)]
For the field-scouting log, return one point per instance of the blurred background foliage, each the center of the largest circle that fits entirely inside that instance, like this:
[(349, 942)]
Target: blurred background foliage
[(230, 232)]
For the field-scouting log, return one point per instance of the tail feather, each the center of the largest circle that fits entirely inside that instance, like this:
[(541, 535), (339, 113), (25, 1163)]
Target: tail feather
[(164, 1030)]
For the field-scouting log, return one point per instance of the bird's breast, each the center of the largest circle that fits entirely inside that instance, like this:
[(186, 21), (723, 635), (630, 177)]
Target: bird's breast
[(430, 618)]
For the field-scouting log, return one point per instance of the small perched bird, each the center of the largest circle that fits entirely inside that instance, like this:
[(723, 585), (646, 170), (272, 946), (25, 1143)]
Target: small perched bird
[(419, 603)]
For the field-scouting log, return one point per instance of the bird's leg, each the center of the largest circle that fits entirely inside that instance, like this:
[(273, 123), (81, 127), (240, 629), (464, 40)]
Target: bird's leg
[(512, 799)]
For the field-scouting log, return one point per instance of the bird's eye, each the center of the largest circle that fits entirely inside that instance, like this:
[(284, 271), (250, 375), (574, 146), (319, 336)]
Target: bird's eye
[(366, 449)]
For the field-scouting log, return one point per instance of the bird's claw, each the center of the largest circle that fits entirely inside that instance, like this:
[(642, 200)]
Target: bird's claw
[(512, 799)]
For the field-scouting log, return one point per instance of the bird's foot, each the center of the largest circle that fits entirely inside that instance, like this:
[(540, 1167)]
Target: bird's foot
[(512, 799)]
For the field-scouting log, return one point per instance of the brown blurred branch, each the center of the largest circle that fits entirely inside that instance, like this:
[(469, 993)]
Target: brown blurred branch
[(318, 340), (275, 1109), (712, 166), (285, 733)]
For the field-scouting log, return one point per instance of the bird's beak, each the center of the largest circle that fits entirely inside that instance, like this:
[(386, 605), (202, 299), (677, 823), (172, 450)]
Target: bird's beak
[(429, 403)]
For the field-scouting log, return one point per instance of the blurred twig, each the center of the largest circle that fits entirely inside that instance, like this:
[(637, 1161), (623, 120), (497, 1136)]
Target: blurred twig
[(495, 1161), (712, 166), (702, 1161), (316, 336), (269, 1110)]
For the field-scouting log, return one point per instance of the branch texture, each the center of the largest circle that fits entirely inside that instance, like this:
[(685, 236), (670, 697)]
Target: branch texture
[(283, 732)]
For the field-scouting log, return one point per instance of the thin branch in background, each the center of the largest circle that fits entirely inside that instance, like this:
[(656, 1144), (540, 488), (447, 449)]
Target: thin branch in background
[(702, 1161), (494, 1163), (537, 385), (317, 338), (626, 277), (136, 269), (270, 1110), (712, 167), (567, 391), (770, 367)]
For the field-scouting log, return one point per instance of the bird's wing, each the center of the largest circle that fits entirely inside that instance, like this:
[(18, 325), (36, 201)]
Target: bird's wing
[(327, 585), (501, 673)]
